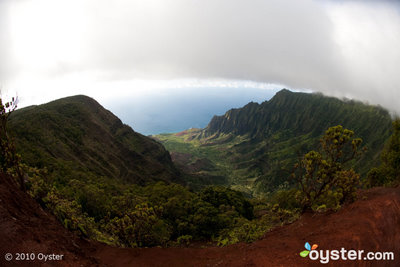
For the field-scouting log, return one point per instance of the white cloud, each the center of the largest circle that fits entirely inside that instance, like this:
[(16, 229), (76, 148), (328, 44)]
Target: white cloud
[(369, 39), (343, 48)]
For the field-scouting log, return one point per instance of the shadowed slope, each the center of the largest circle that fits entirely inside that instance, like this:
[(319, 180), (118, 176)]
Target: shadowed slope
[(78, 134)]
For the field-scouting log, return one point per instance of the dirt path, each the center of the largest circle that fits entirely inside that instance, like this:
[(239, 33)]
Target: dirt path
[(371, 224)]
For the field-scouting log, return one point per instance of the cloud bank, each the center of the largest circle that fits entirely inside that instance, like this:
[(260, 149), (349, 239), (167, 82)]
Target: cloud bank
[(341, 48)]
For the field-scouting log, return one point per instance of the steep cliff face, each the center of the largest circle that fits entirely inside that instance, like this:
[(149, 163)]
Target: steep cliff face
[(79, 133), (256, 146), (302, 113)]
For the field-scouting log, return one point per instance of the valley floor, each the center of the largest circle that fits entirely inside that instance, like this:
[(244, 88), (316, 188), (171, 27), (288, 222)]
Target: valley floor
[(371, 224)]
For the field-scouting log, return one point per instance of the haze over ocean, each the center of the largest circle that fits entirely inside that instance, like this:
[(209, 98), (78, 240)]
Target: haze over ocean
[(175, 110)]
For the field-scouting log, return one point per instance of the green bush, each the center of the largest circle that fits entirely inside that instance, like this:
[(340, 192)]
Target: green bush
[(218, 195), (140, 227), (389, 171), (377, 177), (320, 172), (289, 199), (70, 215), (184, 239)]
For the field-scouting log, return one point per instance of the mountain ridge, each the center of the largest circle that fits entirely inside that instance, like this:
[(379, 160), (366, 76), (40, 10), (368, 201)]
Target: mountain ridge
[(262, 114), (79, 132), (256, 146)]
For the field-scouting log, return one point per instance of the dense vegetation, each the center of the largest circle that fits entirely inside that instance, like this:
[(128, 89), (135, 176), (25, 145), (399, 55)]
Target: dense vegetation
[(253, 149), (62, 144), (74, 136), (62, 168), (133, 215), (389, 171)]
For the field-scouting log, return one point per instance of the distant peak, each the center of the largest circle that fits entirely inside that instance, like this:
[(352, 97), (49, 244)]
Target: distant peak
[(76, 98), (251, 104), (283, 94), (284, 91)]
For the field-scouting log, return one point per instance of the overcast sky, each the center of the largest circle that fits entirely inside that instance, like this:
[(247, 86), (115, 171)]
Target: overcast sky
[(120, 49)]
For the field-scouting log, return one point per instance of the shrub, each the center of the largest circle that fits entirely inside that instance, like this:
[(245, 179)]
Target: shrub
[(140, 228), (319, 172), (184, 239), (217, 196), (389, 171)]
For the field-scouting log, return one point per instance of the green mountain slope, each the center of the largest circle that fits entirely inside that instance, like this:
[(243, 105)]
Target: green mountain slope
[(255, 147), (76, 135)]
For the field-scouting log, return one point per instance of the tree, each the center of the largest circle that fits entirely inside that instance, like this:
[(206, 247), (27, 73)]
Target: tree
[(322, 173), (389, 170), (5, 142), (9, 159), (217, 196)]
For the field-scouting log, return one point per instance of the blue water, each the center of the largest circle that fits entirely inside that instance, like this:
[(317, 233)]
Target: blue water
[(184, 108)]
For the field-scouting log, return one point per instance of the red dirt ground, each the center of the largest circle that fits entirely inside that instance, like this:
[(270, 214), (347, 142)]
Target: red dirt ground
[(371, 224)]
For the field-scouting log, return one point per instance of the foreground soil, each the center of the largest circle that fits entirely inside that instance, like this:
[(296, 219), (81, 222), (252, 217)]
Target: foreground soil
[(371, 224)]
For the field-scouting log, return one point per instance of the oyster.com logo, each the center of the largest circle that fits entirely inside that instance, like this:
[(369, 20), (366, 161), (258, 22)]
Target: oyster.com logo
[(308, 247), (324, 256)]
